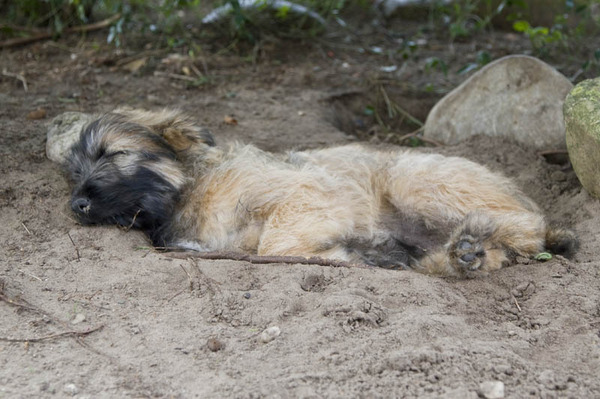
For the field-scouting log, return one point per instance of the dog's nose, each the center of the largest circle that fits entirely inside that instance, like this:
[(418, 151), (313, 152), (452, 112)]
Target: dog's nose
[(80, 205)]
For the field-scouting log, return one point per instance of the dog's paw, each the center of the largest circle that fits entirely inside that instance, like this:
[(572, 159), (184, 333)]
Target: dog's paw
[(467, 254)]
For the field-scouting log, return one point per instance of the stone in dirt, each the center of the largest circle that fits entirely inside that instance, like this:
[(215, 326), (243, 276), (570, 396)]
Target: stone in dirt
[(492, 389), (270, 334), (517, 97), (582, 114), (63, 132)]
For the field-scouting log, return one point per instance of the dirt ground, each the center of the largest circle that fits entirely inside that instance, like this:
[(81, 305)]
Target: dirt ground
[(93, 312)]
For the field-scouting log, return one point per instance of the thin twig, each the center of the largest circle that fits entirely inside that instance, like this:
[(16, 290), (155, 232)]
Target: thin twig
[(30, 275), (424, 139), (392, 106), (552, 152), (211, 284), (76, 249), (17, 76), (414, 133), (137, 56), (18, 41), (516, 303), (23, 304), (186, 272), (133, 220), (176, 295), (196, 71), (256, 259), (54, 336), (26, 229), (176, 76)]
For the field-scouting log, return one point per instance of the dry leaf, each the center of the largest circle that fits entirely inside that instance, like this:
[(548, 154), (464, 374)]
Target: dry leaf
[(230, 120), (39, 113), (135, 65)]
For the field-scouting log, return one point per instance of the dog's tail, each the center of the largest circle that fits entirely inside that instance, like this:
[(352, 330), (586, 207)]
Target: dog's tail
[(561, 241)]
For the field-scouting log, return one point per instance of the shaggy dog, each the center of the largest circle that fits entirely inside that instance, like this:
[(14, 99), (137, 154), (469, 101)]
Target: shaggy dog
[(162, 174)]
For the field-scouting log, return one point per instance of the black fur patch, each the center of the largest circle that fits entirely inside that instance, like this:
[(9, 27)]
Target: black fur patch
[(392, 254), (137, 197)]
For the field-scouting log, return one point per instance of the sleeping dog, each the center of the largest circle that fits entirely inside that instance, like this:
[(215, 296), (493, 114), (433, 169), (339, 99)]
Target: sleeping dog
[(161, 173)]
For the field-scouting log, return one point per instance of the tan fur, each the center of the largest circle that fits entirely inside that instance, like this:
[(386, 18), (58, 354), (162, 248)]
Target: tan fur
[(317, 203)]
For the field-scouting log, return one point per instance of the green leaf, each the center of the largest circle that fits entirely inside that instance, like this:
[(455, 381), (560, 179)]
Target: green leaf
[(483, 58), (282, 12), (521, 26), (435, 62), (539, 31), (543, 256)]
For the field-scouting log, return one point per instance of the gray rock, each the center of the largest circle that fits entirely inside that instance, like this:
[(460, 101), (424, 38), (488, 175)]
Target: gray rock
[(71, 389), (79, 318), (582, 112), (270, 334), (492, 389), (517, 97), (63, 132)]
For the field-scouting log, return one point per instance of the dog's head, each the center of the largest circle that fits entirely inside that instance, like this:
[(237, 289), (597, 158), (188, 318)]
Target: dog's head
[(129, 173)]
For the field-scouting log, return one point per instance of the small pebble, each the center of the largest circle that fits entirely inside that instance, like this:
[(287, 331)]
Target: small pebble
[(247, 295), (492, 389), (270, 334), (79, 317), (214, 345), (71, 389)]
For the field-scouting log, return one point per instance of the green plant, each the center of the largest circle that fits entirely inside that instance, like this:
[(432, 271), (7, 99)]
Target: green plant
[(56, 14), (540, 36), (261, 18), (434, 63), (569, 31), (483, 58), (465, 17)]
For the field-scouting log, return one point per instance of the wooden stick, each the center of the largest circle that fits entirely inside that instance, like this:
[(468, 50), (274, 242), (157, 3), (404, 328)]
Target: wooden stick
[(176, 76), (76, 249), (261, 260), (53, 336), (23, 304), (423, 139), (18, 41)]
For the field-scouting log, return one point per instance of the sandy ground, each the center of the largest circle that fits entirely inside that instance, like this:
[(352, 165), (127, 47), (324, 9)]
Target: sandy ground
[(345, 332)]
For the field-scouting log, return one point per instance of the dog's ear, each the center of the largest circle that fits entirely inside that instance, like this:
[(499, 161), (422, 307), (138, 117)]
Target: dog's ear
[(182, 134)]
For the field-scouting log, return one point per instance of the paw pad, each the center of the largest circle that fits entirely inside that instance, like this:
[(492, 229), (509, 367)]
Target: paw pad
[(468, 253)]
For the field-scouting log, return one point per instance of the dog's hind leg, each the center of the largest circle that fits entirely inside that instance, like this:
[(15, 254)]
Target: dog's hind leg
[(302, 228), (484, 242)]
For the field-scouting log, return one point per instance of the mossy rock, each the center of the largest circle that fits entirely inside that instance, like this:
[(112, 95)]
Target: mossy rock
[(63, 133), (582, 121)]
